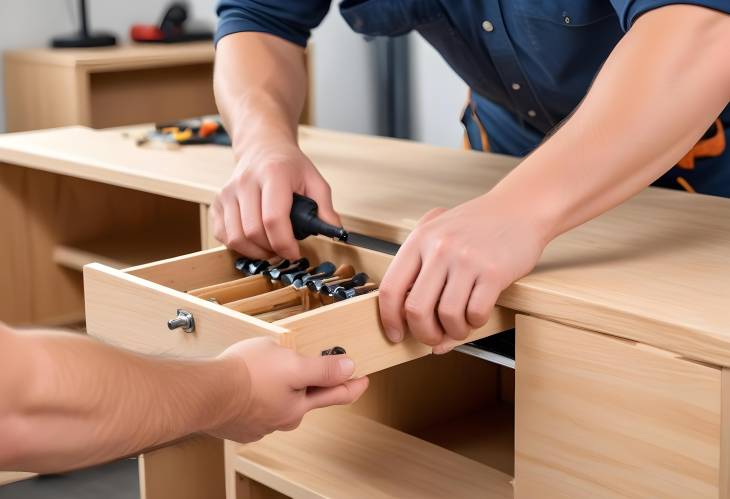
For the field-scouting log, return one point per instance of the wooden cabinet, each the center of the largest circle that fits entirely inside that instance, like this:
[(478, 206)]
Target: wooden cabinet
[(106, 87), (602, 417), (601, 407)]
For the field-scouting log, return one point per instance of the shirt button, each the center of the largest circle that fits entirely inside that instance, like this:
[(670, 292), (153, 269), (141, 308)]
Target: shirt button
[(487, 26), (531, 113), (516, 86)]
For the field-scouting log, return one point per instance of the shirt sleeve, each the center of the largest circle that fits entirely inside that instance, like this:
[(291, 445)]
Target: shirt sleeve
[(292, 20), (629, 10)]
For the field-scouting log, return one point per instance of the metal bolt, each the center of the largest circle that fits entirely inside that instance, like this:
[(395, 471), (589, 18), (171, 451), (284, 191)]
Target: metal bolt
[(184, 320), (334, 351)]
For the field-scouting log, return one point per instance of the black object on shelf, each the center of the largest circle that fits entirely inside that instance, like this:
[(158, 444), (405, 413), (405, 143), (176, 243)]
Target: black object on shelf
[(84, 38)]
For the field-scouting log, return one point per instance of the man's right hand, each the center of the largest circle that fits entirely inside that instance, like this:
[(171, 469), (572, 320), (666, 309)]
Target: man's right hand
[(251, 214), (276, 387)]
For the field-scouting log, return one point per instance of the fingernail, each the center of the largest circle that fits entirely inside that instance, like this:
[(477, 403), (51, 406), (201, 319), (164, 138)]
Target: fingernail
[(395, 335), (347, 366)]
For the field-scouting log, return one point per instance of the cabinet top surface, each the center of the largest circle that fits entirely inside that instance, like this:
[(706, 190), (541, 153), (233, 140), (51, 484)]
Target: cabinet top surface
[(128, 56), (655, 269)]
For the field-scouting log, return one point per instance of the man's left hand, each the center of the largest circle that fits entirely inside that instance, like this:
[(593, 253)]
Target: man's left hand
[(447, 276)]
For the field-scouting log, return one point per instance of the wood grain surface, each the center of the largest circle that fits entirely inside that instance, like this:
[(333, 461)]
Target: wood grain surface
[(653, 270), (603, 418), (336, 454)]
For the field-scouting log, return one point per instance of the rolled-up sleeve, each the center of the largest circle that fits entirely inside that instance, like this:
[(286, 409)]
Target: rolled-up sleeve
[(292, 20), (629, 10)]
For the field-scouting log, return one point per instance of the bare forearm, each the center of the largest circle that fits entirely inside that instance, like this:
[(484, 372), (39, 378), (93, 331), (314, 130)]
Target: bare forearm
[(76, 402), (659, 91), (260, 87)]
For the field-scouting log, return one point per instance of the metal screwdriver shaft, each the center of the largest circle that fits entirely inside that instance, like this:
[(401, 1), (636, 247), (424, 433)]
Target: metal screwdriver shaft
[(305, 223)]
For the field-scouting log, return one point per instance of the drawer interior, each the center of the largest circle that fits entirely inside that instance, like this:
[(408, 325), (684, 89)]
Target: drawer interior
[(213, 276), (451, 413)]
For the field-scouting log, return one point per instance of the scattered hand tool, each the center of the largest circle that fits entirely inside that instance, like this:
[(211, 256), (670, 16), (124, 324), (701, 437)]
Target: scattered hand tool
[(305, 223), (199, 131)]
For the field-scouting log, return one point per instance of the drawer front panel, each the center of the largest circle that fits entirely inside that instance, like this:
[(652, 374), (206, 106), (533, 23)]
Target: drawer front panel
[(601, 417), (130, 312), (355, 326), (131, 308)]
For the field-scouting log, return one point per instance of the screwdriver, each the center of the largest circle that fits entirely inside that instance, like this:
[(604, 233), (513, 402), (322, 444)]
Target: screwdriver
[(305, 223)]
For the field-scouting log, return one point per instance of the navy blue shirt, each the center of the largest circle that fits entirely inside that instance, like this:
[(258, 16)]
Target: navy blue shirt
[(528, 62)]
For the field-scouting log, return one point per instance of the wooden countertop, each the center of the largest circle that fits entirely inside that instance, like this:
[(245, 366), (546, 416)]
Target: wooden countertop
[(118, 58), (655, 270)]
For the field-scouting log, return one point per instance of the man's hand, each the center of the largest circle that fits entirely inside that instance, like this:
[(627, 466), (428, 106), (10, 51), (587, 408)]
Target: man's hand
[(251, 214), (282, 386), (448, 274)]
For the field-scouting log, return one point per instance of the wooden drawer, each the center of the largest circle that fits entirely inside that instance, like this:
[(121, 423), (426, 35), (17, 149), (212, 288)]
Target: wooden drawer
[(131, 308)]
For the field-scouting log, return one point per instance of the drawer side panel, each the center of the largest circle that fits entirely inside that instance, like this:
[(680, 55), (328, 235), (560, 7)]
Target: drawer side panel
[(132, 313)]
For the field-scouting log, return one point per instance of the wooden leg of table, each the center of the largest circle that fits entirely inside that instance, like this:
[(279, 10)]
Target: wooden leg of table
[(207, 239), (189, 470)]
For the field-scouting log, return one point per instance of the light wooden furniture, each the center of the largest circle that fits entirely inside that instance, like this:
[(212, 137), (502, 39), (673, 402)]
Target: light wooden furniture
[(109, 86), (623, 337)]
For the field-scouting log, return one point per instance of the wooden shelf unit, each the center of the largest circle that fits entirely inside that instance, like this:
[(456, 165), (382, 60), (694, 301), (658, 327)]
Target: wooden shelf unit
[(335, 454), (109, 86), (438, 426), (127, 250)]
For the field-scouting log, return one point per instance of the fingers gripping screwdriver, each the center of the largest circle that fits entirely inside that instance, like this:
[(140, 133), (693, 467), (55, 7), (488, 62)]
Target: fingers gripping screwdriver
[(305, 223)]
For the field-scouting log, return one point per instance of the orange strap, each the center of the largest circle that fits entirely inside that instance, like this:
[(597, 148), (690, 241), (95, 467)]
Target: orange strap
[(470, 107), (705, 148)]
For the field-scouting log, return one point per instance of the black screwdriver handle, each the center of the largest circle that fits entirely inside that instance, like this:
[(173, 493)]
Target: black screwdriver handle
[(305, 222)]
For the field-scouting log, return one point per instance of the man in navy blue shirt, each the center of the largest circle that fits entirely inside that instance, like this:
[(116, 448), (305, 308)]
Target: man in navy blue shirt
[(606, 97)]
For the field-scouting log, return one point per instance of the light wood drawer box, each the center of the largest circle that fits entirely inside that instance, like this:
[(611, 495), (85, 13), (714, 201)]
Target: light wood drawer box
[(131, 308)]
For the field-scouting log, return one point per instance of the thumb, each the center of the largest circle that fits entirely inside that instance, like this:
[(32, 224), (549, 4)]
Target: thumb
[(320, 191), (431, 214), (325, 371), (343, 394)]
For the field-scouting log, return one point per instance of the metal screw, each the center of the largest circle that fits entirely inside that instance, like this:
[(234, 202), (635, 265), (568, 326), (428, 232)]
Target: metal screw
[(184, 320)]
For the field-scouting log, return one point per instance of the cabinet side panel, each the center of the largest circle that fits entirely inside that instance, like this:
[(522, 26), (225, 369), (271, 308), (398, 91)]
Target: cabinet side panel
[(601, 417)]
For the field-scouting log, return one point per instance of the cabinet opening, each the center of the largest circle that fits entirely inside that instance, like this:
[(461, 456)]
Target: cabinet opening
[(456, 401)]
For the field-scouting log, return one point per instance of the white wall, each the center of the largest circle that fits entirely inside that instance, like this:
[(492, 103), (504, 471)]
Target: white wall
[(437, 98)]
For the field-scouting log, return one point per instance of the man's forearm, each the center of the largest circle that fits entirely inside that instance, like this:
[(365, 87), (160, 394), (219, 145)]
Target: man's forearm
[(659, 91), (69, 401), (260, 88)]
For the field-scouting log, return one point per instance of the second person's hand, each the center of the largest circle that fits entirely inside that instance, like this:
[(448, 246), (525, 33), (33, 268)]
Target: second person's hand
[(276, 387), (447, 276), (251, 214)]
